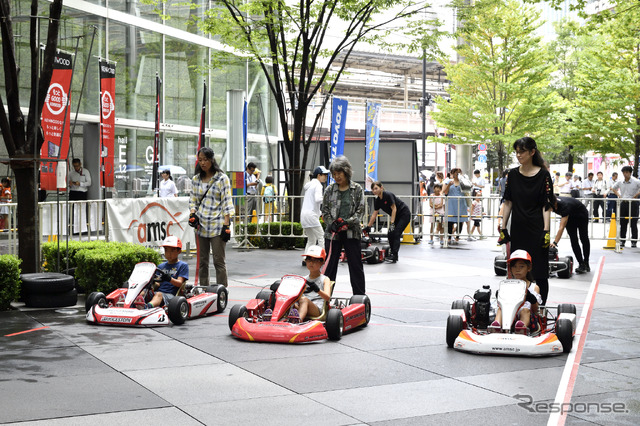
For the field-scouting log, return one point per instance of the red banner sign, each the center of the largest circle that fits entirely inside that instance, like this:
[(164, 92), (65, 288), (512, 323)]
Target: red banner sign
[(55, 121), (107, 122)]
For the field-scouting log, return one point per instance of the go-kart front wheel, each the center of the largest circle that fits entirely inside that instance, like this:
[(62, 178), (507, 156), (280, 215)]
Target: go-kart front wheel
[(375, 256), (223, 297), (500, 265), (95, 298), (567, 271), (236, 312), (178, 310), (454, 327), (566, 308), (364, 299), (334, 324), (564, 332)]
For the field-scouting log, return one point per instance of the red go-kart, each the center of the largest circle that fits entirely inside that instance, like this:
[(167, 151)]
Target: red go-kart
[(271, 316), (127, 305)]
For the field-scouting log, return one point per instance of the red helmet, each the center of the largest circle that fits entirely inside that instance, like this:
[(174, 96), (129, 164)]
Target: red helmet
[(172, 241), (520, 254), (317, 252)]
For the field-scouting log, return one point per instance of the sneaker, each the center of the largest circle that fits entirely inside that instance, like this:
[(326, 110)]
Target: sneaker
[(581, 269), (431, 242), (441, 242), (470, 238), (633, 244)]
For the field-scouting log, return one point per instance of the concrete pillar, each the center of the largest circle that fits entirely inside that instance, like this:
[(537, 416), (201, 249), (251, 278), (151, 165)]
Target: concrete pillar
[(235, 131), (464, 159), (91, 160)]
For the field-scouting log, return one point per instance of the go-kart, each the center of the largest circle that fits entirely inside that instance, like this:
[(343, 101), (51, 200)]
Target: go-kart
[(562, 268), (127, 305), (272, 317), (469, 329), (369, 252)]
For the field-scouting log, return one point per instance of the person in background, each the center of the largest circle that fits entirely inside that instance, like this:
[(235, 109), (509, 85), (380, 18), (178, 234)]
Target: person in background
[(310, 212), (478, 181), (399, 217), (611, 196), (456, 206), (5, 198), (211, 208), (342, 210), (436, 202), (79, 181), (599, 190), (576, 187), (167, 187), (556, 181), (268, 193), (528, 201), (502, 183), (476, 213), (564, 186), (575, 218), (587, 192), (251, 184), (629, 187)]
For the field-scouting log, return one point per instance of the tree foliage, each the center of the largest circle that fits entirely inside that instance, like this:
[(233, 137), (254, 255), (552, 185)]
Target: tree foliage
[(500, 88)]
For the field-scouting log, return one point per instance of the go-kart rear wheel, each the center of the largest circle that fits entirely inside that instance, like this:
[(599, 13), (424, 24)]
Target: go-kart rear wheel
[(223, 297), (178, 310), (268, 296), (566, 308), (454, 327), (500, 265), (236, 312), (375, 255), (464, 305), (564, 332), (334, 324), (95, 298), (567, 267), (364, 299)]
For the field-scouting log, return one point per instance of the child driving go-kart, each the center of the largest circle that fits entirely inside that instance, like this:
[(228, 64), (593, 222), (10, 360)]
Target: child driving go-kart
[(172, 274), (520, 265), (318, 288)]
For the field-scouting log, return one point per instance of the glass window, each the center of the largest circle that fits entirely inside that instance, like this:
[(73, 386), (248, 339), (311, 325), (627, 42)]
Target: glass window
[(136, 8), (185, 16)]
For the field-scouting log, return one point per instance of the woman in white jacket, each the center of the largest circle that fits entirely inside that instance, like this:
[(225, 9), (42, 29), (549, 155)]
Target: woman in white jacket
[(310, 213)]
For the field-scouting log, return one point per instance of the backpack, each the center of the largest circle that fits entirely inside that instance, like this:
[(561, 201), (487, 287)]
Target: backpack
[(269, 194)]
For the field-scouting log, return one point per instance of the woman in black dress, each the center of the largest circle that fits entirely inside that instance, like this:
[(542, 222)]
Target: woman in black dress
[(528, 200)]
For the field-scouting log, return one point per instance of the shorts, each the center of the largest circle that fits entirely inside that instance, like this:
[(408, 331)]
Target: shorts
[(476, 222), (166, 297)]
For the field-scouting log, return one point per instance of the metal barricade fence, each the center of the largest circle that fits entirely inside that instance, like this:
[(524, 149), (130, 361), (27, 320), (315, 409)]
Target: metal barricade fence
[(90, 221)]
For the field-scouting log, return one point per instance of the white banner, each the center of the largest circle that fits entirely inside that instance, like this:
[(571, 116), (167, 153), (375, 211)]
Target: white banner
[(148, 221)]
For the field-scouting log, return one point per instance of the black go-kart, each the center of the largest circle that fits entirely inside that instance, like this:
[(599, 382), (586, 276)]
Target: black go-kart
[(562, 268)]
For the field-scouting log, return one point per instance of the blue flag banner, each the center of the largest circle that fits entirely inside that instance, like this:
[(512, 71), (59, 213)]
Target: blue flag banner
[(372, 137), (338, 122)]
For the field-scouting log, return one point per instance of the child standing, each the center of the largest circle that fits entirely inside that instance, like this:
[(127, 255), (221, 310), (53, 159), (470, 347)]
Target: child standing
[(269, 193), (174, 273), (476, 213), (5, 198), (436, 202)]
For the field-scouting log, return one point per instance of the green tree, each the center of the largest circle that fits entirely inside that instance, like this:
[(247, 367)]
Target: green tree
[(24, 138), (606, 113), (500, 87)]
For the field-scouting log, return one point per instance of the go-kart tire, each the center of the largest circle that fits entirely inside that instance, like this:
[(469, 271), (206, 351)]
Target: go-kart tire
[(375, 255), (566, 308), (564, 332), (52, 300), (454, 327), (334, 324), (568, 271), (47, 283), (223, 297), (464, 305), (364, 299), (236, 312), (268, 296), (178, 310), (95, 298), (275, 285), (498, 271)]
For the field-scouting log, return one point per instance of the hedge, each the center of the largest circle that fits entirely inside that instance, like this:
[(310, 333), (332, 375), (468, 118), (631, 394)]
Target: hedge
[(263, 240), (50, 253), (9, 280)]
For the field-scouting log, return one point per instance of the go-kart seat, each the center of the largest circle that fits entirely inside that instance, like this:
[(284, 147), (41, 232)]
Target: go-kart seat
[(325, 306)]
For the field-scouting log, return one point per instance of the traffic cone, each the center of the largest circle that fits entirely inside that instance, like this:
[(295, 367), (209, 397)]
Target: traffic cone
[(613, 233), (407, 236), (254, 217)]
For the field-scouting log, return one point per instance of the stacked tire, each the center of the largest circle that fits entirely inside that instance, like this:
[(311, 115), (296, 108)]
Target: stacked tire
[(48, 290)]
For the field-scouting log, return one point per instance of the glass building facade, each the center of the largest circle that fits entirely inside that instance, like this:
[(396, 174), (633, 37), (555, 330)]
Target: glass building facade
[(133, 35)]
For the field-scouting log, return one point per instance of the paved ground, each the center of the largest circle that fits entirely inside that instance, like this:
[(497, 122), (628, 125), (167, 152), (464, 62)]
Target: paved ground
[(397, 371)]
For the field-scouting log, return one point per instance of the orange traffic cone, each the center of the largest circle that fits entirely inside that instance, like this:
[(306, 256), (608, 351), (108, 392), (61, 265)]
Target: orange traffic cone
[(613, 233)]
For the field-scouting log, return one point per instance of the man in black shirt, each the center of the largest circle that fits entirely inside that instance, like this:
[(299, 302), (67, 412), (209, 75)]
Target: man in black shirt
[(575, 217)]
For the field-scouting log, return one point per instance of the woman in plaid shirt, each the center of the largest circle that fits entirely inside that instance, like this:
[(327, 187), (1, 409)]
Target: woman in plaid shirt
[(210, 202)]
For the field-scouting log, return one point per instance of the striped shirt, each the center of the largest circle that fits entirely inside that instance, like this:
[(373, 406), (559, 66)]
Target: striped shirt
[(216, 203)]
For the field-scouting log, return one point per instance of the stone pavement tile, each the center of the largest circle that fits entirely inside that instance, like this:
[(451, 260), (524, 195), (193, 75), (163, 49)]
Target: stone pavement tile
[(389, 334), (612, 302), (603, 348), (206, 383), (267, 411), (410, 313), (440, 359), (141, 417), (593, 381), (352, 369), (539, 383), (413, 399), (32, 364), (623, 367), (150, 355), (54, 397), (600, 409), (504, 415), (230, 349)]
